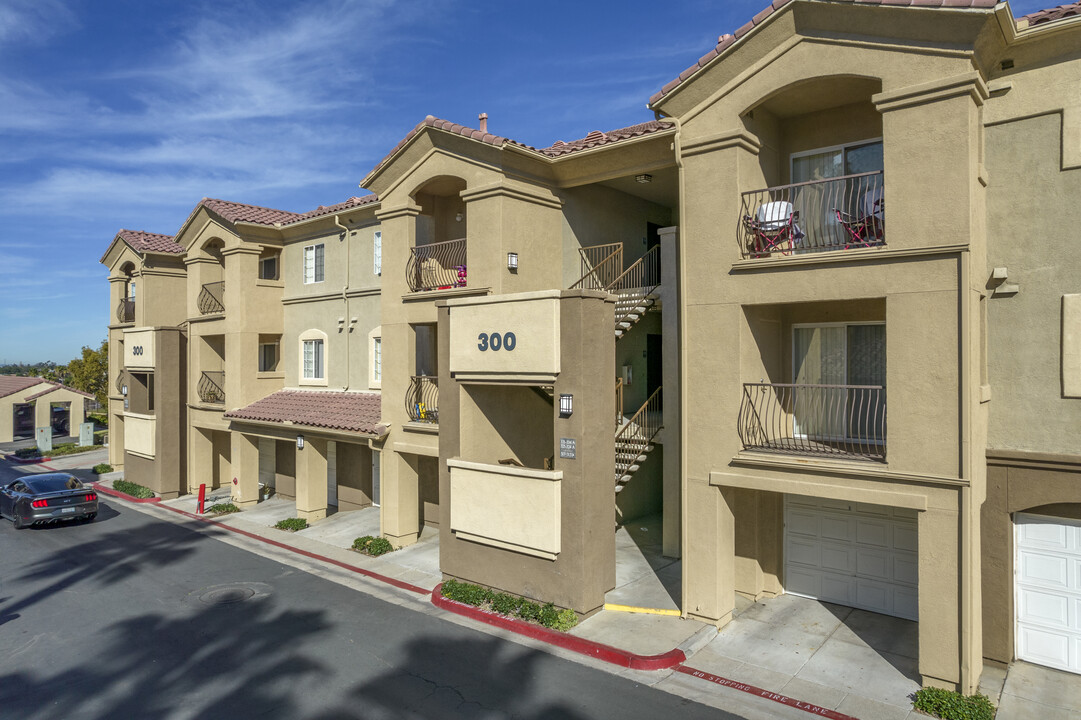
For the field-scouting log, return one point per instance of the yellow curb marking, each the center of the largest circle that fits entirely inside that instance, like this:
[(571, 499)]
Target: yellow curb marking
[(644, 610)]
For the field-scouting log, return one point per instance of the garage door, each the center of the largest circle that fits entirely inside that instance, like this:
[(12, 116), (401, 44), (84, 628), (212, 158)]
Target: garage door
[(1048, 577), (854, 554)]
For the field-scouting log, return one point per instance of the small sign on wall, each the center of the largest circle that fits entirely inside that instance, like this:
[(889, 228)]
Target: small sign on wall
[(568, 448)]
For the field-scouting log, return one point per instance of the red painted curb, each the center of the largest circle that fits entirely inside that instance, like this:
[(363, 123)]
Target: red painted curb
[(314, 556), (26, 461), (123, 496), (775, 697), (579, 645)]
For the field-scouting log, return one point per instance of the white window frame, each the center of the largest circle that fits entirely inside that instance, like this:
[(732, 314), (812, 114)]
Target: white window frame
[(318, 375), (828, 148), (375, 359), (314, 263), (377, 252)]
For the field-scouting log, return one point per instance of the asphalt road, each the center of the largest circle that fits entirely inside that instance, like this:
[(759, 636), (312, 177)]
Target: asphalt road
[(136, 617)]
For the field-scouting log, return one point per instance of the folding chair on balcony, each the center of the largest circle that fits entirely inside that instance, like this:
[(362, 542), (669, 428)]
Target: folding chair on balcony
[(772, 229), (865, 228)]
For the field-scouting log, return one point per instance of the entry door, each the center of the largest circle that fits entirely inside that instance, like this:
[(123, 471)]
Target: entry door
[(854, 554), (1047, 574), (332, 474), (654, 369)]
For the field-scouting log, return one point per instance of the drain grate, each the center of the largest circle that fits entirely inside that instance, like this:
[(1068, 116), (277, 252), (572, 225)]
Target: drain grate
[(227, 595)]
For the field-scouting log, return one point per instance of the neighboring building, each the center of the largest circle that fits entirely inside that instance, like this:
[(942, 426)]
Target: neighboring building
[(28, 403), (840, 204)]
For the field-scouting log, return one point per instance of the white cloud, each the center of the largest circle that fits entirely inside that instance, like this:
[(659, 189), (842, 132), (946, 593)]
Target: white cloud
[(33, 21)]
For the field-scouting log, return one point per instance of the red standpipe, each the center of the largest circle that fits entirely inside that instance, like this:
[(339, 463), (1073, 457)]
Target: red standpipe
[(202, 497)]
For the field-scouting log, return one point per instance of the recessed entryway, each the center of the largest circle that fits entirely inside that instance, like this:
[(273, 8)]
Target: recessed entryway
[(1048, 591), (854, 554)]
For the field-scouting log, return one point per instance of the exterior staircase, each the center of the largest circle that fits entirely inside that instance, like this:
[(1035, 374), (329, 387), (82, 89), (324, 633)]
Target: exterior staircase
[(631, 306), (634, 437), (635, 287)]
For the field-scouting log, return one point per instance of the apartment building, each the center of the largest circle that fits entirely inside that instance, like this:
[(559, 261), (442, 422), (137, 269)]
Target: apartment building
[(702, 317)]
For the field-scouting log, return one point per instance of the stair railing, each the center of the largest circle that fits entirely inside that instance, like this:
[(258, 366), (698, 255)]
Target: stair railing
[(637, 282), (633, 439), (619, 402), (601, 265)]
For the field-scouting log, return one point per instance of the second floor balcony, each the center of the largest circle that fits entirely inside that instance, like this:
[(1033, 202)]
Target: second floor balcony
[(437, 266), (212, 298), (211, 387), (422, 399), (837, 421), (839, 213), (125, 310)]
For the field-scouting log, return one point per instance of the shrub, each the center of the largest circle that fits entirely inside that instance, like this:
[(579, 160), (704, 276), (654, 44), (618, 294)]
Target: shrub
[(361, 543), (102, 468), (952, 705), (133, 489), (223, 508), (379, 546), (505, 604), (27, 453), (292, 524)]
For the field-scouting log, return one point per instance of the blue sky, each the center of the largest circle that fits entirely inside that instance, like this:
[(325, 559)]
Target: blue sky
[(124, 113)]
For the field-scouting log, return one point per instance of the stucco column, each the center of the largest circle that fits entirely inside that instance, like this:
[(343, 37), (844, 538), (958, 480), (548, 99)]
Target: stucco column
[(116, 433), (312, 479), (400, 494), (939, 627), (673, 442), (200, 459), (245, 465)]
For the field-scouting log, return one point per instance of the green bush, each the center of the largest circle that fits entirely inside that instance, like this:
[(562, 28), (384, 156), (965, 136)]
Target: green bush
[(505, 604), (952, 705), (292, 524), (71, 449), (223, 508), (379, 546), (102, 468), (27, 453), (133, 489), (361, 543)]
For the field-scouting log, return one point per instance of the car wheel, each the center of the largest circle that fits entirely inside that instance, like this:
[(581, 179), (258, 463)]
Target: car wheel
[(19, 524)]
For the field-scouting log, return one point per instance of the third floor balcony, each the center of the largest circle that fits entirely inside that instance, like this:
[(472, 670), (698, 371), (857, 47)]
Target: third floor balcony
[(212, 298), (437, 266)]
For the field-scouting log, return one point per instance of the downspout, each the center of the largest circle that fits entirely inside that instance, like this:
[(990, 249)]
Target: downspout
[(681, 305), (346, 327)]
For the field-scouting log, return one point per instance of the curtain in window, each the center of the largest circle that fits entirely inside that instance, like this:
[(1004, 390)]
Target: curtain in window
[(377, 250), (819, 359), (377, 371), (866, 365)]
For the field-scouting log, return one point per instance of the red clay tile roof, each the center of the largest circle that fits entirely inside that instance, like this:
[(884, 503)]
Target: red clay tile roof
[(340, 207), (11, 384), (1042, 17), (142, 242), (239, 212), (559, 148), (350, 411), (57, 386), (726, 41)]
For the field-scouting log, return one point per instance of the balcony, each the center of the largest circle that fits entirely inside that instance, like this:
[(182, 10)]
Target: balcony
[(211, 298), (837, 421), (841, 213), (125, 311), (211, 387), (422, 399), (121, 382), (436, 266)]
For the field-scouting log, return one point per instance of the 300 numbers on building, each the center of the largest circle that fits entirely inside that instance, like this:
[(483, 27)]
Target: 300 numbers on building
[(495, 341)]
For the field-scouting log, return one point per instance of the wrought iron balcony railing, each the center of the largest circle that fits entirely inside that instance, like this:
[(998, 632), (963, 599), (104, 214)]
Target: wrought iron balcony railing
[(125, 311), (436, 266), (839, 213), (828, 420), (121, 381), (211, 387), (422, 399), (211, 298)]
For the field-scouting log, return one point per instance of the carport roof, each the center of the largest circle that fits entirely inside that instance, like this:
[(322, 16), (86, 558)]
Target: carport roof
[(11, 384), (57, 386), (333, 410)]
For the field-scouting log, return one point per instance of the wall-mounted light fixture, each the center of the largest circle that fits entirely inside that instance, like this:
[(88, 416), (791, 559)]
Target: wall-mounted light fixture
[(458, 217), (123, 389), (300, 442), (566, 405), (643, 178), (512, 262)]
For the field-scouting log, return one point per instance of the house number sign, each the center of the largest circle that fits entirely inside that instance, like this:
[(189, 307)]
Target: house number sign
[(495, 342), (137, 350)]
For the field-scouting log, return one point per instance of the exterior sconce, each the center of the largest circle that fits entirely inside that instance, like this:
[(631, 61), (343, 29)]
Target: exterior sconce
[(512, 262), (566, 405), (643, 178), (300, 442), (628, 374), (124, 390), (458, 217)]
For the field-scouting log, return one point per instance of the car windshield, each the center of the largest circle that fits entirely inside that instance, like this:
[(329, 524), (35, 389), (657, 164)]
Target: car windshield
[(52, 484)]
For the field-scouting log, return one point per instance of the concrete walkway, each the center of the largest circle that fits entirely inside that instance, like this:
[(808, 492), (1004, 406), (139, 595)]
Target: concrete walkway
[(1032, 692)]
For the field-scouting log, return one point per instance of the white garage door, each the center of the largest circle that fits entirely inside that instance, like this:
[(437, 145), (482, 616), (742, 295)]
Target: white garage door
[(1048, 577), (854, 554)]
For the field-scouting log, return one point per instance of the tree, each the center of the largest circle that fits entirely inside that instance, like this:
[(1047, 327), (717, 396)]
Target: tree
[(90, 373)]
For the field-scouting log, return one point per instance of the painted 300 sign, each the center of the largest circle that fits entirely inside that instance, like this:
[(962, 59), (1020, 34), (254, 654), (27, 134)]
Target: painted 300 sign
[(495, 341)]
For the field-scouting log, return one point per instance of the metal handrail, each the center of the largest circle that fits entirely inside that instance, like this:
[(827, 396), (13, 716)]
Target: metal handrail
[(422, 399), (619, 402), (211, 298), (601, 265), (805, 419), (211, 387), (636, 283), (437, 266), (831, 214), (125, 311), (634, 437)]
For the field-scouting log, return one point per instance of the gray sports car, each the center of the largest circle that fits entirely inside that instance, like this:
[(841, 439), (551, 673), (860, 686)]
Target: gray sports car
[(47, 498)]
